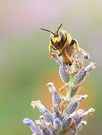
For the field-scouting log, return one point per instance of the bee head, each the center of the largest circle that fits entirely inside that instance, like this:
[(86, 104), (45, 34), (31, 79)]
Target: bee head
[(57, 37)]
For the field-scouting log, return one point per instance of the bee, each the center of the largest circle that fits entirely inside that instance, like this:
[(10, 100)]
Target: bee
[(65, 45)]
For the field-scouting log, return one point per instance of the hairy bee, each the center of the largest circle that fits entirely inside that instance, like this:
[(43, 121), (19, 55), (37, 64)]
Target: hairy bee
[(64, 44)]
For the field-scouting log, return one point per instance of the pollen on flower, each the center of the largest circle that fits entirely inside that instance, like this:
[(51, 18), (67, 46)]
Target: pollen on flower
[(66, 118)]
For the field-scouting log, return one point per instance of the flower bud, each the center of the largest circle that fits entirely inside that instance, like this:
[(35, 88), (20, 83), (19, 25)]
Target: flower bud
[(74, 90), (81, 125), (67, 121), (81, 75), (62, 69), (57, 124), (44, 129), (90, 67), (81, 98), (63, 73), (47, 115), (73, 105), (88, 113), (77, 113), (56, 99), (57, 113), (78, 119), (32, 126)]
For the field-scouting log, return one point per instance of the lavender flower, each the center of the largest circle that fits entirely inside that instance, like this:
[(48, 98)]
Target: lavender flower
[(56, 99), (73, 105), (82, 74), (32, 126), (75, 89), (47, 114), (63, 69), (66, 118), (57, 124)]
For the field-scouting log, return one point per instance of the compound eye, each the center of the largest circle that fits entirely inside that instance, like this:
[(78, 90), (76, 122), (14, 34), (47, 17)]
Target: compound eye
[(51, 36), (62, 36)]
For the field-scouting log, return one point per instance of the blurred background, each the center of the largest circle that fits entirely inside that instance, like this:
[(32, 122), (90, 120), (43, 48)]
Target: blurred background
[(25, 66)]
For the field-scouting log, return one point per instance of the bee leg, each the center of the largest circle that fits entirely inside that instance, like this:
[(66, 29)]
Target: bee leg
[(80, 50), (52, 55), (69, 59), (85, 54)]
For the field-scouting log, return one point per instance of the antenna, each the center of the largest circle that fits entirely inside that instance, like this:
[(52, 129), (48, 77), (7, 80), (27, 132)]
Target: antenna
[(55, 34), (48, 31), (59, 28)]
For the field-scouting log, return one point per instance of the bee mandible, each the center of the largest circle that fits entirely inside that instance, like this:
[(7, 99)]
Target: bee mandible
[(65, 45)]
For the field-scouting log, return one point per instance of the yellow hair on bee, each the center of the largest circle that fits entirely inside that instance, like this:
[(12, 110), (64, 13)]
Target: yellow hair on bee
[(56, 39)]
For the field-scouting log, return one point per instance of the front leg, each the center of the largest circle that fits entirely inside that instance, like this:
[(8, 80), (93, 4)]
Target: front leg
[(50, 52)]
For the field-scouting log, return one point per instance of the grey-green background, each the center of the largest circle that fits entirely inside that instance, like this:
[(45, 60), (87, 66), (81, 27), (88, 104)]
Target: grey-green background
[(25, 66)]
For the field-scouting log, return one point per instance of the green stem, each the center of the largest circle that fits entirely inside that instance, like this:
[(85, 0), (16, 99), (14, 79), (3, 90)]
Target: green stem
[(68, 88), (68, 94)]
